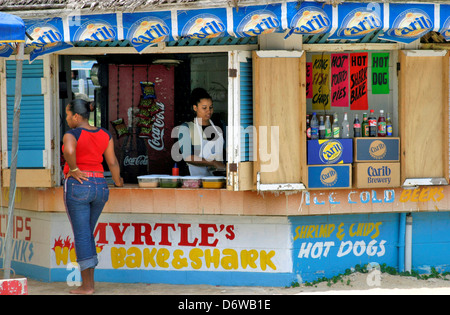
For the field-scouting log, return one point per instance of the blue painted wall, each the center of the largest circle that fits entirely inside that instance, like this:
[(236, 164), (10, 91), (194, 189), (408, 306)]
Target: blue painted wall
[(321, 246), (431, 241), (325, 246)]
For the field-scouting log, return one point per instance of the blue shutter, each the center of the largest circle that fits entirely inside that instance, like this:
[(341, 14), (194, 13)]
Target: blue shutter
[(246, 97), (31, 129)]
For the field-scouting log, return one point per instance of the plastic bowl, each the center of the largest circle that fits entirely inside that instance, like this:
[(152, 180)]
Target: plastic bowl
[(213, 182), (170, 182), (193, 182), (149, 181)]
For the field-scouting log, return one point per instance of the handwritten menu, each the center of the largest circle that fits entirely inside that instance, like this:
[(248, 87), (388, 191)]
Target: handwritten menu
[(358, 81), (380, 73), (339, 80), (321, 82)]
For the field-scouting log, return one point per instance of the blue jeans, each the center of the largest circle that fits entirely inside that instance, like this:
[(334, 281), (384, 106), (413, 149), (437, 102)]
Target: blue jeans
[(84, 204)]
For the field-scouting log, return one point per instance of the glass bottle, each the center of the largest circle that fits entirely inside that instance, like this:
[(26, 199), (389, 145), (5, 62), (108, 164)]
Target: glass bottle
[(335, 127), (372, 124), (381, 124), (356, 127), (314, 127), (345, 127), (389, 128), (365, 126), (321, 128), (328, 133)]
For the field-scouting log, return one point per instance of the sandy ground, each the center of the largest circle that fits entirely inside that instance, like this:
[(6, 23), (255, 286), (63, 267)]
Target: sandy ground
[(356, 283)]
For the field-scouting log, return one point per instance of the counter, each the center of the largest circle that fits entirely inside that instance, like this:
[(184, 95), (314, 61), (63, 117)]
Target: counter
[(132, 199)]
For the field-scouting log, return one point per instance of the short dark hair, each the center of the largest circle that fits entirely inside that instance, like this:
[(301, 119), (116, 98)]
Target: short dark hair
[(197, 95), (80, 107)]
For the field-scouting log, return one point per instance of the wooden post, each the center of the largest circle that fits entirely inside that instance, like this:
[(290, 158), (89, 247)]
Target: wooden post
[(14, 152)]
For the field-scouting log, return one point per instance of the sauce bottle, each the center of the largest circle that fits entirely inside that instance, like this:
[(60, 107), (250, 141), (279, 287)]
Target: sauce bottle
[(381, 124), (175, 170)]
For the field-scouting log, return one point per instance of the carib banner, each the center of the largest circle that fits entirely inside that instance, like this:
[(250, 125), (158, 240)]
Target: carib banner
[(357, 20), (408, 22), (257, 20), (47, 37), (201, 24), (94, 28), (445, 21), (309, 18), (5, 50), (147, 28)]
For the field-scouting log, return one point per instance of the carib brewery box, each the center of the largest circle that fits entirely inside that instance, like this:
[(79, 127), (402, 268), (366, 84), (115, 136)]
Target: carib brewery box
[(329, 176), (377, 149), (376, 175), (330, 151)]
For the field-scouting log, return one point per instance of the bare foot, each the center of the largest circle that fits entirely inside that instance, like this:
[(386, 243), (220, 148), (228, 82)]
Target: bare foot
[(82, 290)]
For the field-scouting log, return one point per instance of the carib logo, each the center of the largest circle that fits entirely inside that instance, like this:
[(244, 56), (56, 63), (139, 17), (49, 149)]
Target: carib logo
[(309, 21), (44, 36), (95, 31), (360, 22), (257, 23), (446, 29), (149, 30), (377, 150), (329, 176), (412, 23), (204, 26), (330, 151)]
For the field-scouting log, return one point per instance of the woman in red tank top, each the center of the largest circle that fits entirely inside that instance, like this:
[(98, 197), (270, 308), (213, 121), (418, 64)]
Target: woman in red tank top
[(85, 188)]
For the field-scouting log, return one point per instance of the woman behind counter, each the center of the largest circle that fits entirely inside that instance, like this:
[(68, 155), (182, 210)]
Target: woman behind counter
[(201, 142), (85, 188)]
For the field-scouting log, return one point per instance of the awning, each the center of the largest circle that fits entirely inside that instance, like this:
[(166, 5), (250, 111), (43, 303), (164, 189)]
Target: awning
[(398, 22), (12, 28)]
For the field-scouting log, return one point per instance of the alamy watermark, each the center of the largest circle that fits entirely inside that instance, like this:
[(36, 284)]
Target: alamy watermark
[(263, 143)]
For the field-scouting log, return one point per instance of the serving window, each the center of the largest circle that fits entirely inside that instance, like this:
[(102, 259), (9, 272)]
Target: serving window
[(141, 99)]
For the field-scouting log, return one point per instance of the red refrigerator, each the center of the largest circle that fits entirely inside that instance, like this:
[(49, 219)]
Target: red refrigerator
[(142, 150)]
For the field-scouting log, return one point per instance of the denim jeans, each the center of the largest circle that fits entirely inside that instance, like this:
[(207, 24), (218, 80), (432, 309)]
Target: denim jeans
[(84, 204)]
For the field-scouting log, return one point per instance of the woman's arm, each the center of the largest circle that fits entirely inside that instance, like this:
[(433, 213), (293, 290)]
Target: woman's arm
[(70, 155), (113, 164)]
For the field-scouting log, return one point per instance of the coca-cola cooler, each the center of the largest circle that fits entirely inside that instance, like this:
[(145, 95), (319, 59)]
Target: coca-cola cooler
[(139, 152)]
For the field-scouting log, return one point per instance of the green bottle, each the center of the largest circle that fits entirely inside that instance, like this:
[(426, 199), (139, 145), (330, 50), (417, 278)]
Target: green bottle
[(365, 126)]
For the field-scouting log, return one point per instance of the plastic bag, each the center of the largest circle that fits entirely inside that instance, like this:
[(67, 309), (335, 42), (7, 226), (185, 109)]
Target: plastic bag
[(148, 90), (120, 127)]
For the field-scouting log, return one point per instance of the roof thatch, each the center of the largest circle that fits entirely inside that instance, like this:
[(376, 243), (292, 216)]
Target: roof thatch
[(94, 5), (131, 5)]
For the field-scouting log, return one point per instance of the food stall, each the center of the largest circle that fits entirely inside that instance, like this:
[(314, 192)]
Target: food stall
[(289, 208)]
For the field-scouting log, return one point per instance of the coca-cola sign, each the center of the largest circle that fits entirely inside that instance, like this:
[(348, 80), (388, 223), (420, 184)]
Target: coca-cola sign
[(156, 140), (135, 161)]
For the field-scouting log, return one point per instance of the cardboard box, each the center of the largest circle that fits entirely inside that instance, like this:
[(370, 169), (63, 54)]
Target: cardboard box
[(330, 151), (329, 176), (376, 175), (377, 149)]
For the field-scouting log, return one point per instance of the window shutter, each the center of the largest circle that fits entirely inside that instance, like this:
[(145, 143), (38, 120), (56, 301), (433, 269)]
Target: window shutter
[(32, 119)]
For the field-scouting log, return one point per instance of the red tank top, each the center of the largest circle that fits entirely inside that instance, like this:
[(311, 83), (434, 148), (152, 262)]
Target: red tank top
[(91, 144)]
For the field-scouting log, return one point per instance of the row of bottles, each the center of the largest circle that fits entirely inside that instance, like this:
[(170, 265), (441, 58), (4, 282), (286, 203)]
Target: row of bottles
[(320, 128)]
